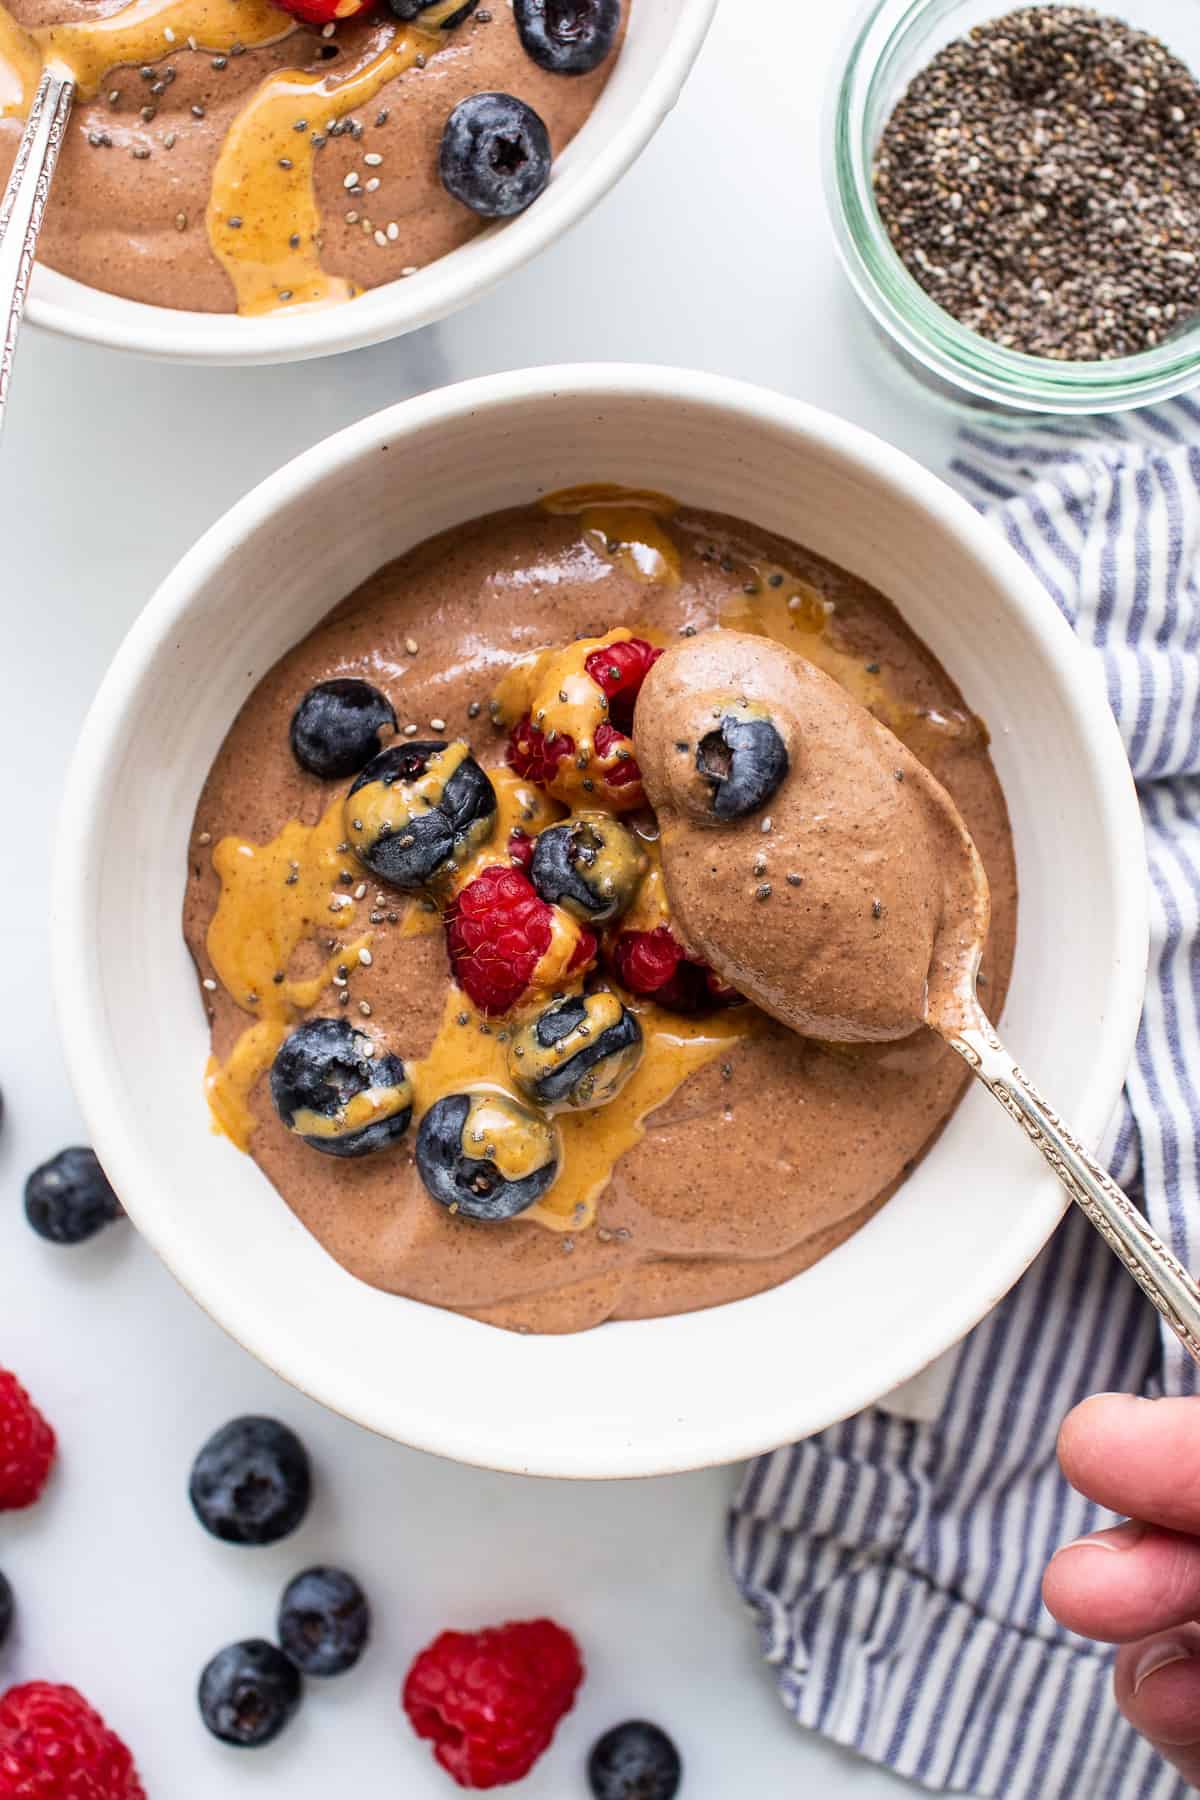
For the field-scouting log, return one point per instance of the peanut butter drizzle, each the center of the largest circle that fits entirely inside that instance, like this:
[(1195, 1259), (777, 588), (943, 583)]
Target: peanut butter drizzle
[(792, 613), (264, 173), (20, 67), (145, 31), (273, 897), (466, 1057), (624, 525)]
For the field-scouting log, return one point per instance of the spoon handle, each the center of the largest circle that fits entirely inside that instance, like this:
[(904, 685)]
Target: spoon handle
[(22, 208), (1160, 1275)]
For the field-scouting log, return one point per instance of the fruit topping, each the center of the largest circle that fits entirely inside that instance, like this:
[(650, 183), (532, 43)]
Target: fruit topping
[(412, 10), (324, 1621), (634, 1761), (495, 155), (489, 1701), (248, 1692), (326, 12), (251, 1482), (332, 1089), (590, 865), (578, 1052), (69, 1199), (568, 37), (335, 729), (520, 849), (418, 809), (575, 739), (619, 670), (655, 966), (485, 1156), (27, 1446), (504, 939), (744, 761), (54, 1746)]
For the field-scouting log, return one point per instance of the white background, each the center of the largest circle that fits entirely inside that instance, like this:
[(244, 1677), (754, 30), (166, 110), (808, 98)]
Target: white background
[(714, 252)]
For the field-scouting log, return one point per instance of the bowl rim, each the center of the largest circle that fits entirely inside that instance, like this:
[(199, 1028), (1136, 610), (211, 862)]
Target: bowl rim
[(397, 307), (951, 1312)]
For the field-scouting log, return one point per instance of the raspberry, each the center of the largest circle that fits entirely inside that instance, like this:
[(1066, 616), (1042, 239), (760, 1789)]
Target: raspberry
[(655, 965), (26, 1446), (620, 669), (54, 1747), (532, 756), (498, 930), (623, 772), (520, 849), (490, 1700), (325, 12)]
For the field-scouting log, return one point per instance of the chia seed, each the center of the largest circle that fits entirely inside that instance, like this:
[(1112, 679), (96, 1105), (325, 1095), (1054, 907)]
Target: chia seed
[(1040, 179)]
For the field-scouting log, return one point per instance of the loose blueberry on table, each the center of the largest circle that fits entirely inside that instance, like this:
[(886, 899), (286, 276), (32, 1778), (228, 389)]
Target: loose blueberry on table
[(635, 1761), (251, 1482), (324, 1621), (69, 1199), (248, 1692)]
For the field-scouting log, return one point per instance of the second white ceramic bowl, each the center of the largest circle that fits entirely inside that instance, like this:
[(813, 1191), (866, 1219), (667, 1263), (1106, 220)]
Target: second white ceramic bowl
[(640, 1398), (661, 44)]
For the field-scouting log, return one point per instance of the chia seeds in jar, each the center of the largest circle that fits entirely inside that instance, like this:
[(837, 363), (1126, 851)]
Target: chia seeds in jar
[(1040, 179)]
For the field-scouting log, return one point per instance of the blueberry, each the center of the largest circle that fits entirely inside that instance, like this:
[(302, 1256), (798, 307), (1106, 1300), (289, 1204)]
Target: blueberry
[(590, 865), (251, 1482), (568, 37), (335, 729), (634, 1761), (743, 761), (579, 1052), (69, 1199), (333, 1091), (418, 809), (324, 1621), (408, 10), (248, 1692), (7, 1608), (485, 1155), (495, 155)]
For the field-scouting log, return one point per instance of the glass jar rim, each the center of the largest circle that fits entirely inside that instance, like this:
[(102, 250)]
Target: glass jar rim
[(896, 300)]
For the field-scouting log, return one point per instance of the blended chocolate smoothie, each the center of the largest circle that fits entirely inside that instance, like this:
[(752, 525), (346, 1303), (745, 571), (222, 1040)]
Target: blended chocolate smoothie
[(223, 156), (737, 1152)]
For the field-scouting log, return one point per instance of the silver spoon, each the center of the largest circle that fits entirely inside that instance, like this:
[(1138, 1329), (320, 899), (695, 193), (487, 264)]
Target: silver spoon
[(953, 1010), (23, 207)]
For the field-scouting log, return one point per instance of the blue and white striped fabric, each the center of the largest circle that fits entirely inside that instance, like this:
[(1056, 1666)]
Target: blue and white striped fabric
[(894, 1567)]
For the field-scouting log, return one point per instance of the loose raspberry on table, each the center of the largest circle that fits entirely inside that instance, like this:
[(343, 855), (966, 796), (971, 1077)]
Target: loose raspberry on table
[(655, 966), (497, 931), (489, 1700), (27, 1446), (54, 1746)]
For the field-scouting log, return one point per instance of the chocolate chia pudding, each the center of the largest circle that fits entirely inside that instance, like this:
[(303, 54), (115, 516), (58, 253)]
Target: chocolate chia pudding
[(455, 963), (227, 156)]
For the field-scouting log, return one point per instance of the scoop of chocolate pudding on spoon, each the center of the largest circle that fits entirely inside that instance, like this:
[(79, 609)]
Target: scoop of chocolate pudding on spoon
[(823, 871)]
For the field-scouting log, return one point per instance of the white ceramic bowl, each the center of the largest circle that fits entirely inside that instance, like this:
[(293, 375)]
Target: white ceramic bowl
[(662, 42), (629, 1399)]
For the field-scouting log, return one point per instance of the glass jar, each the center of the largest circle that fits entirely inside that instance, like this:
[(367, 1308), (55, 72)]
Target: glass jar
[(894, 40)]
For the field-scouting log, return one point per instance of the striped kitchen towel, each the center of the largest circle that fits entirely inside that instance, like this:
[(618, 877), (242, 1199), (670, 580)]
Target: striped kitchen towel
[(894, 1566)]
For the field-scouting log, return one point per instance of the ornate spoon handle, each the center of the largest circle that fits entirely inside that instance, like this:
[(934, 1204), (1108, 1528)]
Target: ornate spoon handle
[(22, 208), (1159, 1274)]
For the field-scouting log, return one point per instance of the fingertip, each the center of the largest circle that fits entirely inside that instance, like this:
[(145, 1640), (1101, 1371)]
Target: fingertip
[(1088, 1424), (1157, 1683)]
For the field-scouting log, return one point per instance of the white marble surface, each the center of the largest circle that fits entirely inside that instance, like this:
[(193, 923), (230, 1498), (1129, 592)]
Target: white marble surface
[(713, 252)]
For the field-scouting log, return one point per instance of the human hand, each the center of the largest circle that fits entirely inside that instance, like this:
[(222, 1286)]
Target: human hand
[(1138, 1584)]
